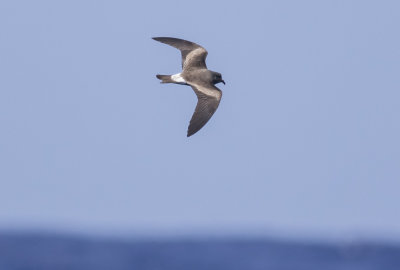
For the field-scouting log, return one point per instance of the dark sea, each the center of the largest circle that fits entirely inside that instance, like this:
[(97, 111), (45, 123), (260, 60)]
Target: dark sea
[(57, 252)]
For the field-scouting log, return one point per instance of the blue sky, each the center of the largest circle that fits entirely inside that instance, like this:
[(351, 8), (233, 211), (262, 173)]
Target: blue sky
[(305, 141)]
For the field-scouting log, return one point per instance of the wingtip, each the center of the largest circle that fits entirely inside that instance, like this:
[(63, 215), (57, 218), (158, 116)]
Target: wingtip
[(157, 38), (190, 133), (166, 39)]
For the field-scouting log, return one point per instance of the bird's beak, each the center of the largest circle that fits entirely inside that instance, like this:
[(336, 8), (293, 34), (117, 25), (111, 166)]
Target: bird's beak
[(223, 82)]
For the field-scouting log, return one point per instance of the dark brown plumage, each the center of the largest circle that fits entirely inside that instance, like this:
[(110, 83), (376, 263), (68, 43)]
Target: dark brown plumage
[(195, 73)]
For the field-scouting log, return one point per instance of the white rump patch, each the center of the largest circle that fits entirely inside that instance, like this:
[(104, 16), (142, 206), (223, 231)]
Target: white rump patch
[(178, 78)]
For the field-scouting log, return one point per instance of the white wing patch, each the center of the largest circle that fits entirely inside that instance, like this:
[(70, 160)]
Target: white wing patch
[(178, 79)]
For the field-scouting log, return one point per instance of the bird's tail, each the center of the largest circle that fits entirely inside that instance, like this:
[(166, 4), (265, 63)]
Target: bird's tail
[(165, 78)]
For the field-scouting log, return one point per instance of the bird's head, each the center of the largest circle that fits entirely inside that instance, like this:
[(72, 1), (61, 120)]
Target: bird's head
[(217, 78)]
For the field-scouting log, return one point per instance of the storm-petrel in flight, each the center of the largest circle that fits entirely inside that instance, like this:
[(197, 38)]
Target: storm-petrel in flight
[(195, 73)]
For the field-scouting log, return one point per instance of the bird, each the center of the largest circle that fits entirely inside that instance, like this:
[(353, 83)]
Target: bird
[(195, 74)]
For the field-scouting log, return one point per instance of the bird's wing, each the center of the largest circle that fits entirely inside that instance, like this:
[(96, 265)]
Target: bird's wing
[(193, 55), (208, 97)]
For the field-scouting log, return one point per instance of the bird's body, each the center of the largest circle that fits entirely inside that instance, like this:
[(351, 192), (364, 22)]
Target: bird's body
[(195, 73)]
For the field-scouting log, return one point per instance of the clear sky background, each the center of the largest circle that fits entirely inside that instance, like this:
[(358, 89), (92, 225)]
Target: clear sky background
[(305, 141)]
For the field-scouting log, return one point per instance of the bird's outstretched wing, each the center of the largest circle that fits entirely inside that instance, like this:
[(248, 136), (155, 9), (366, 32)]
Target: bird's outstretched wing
[(208, 97), (193, 55)]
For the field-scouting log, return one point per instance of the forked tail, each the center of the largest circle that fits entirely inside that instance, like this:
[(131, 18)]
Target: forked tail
[(165, 78)]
